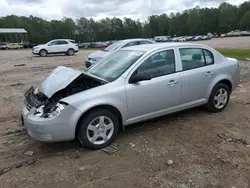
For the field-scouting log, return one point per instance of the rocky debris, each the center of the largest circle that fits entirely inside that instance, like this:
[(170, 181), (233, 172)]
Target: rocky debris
[(190, 183), (235, 140), (19, 130), (81, 168), (17, 84), (111, 149), (77, 155), (19, 65), (248, 146), (30, 162), (183, 185), (170, 162), (18, 165), (4, 170), (132, 145), (29, 153)]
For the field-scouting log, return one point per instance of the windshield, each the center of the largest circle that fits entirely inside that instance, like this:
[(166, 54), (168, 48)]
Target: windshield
[(113, 46), (115, 64)]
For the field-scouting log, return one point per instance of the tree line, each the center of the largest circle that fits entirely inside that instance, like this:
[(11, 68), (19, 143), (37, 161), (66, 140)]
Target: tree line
[(195, 21)]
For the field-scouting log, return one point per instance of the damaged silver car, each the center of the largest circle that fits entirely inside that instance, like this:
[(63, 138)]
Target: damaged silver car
[(130, 85)]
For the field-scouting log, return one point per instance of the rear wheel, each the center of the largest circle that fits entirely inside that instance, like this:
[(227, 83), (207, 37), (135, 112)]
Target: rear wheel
[(43, 53), (98, 129), (70, 52), (219, 98)]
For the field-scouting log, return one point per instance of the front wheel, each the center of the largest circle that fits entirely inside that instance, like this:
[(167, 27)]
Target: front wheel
[(219, 98), (98, 129), (70, 52), (43, 53)]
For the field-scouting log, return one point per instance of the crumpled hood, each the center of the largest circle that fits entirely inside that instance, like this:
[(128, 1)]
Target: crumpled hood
[(57, 80), (98, 54)]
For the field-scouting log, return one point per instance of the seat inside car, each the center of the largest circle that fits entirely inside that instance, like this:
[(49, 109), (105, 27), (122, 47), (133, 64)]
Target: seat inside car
[(196, 61)]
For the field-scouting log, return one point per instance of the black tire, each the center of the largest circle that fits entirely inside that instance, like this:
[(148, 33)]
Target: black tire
[(211, 102), (43, 53), (70, 52), (84, 122)]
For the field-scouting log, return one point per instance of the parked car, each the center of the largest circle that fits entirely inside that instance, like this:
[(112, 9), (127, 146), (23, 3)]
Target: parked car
[(189, 38), (3, 46), (197, 38), (130, 85), (95, 57), (57, 46), (205, 37), (14, 46), (101, 45)]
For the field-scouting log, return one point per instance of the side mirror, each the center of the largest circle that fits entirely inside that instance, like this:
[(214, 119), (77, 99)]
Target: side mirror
[(139, 77)]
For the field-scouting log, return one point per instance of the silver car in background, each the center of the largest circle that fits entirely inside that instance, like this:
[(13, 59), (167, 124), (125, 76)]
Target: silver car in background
[(95, 57), (130, 85)]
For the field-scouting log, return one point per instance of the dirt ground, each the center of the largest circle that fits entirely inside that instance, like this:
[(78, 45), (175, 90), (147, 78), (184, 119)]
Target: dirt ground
[(191, 149)]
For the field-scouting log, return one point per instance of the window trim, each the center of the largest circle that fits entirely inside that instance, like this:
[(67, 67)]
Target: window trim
[(202, 49), (66, 42), (153, 55)]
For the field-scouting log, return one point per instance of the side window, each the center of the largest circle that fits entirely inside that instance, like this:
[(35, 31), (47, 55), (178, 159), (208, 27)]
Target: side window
[(53, 43), (61, 42), (145, 42), (208, 57), (192, 58), (131, 44), (159, 64)]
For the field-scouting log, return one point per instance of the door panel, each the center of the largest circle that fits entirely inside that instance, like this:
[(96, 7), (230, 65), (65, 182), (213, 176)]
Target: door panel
[(153, 95), (198, 73), (195, 83)]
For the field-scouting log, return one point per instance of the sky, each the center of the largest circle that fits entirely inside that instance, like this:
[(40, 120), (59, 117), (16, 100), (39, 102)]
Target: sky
[(97, 9)]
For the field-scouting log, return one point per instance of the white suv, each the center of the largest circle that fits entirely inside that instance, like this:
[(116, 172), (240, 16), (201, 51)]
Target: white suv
[(67, 46)]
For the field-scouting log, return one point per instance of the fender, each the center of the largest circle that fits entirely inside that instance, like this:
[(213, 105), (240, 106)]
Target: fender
[(216, 80)]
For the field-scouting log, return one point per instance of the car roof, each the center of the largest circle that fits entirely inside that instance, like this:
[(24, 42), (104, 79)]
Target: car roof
[(131, 40), (152, 47)]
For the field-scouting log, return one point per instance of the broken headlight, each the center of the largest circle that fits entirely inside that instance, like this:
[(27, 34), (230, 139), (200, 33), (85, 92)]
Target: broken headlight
[(50, 111)]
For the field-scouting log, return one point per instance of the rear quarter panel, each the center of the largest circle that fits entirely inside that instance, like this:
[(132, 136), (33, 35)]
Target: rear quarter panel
[(227, 69)]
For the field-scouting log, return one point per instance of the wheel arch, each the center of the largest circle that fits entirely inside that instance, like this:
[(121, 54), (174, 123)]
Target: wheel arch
[(43, 49), (221, 79), (103, 106), (227, 82)]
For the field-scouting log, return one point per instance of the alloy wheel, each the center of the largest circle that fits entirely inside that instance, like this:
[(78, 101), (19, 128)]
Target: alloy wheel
[(100, 130), (220, 98)]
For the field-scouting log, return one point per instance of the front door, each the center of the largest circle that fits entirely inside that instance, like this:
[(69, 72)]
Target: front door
[(53, 47), (153, 97)]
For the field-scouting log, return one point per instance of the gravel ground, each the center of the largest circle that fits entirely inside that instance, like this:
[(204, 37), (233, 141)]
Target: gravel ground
[(190, 149)]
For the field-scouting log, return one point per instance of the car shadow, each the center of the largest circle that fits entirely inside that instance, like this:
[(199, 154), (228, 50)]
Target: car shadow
[(75, 145), (53, 55)]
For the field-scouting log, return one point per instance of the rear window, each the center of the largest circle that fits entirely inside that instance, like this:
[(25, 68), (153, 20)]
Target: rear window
[(72, 41)]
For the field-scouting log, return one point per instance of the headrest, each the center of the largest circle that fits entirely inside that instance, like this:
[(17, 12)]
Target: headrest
[(196, 57)]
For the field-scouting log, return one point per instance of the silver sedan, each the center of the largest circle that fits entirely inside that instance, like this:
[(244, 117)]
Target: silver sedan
[(130, 85)]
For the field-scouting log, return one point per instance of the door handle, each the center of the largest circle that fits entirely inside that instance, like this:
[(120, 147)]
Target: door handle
[(172, 82), (209, 73)]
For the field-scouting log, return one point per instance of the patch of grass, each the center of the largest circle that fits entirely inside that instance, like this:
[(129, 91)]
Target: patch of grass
[(235, 53)]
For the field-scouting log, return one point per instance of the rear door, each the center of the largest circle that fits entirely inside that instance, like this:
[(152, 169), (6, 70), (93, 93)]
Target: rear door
[(198, 71)]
